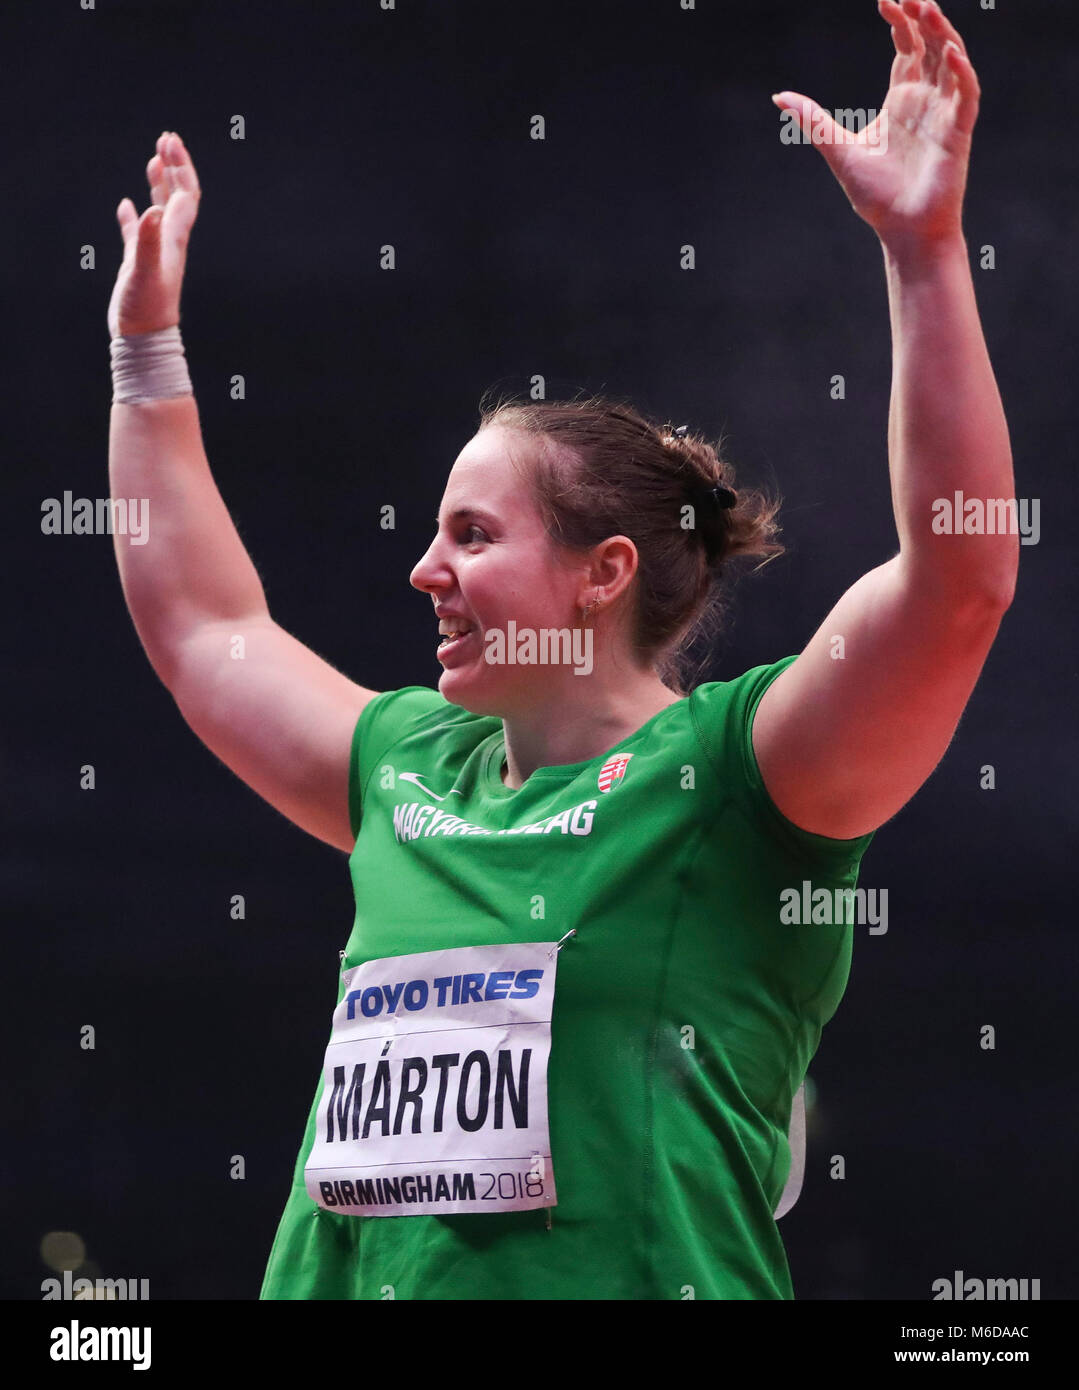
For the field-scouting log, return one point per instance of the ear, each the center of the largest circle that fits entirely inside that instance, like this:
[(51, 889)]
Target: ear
[(610, 571)]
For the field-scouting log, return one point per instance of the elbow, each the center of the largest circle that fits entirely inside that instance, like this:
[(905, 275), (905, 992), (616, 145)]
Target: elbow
[(961, 588), (987, 600), (997, 586), (1003, 594), (966, 606)]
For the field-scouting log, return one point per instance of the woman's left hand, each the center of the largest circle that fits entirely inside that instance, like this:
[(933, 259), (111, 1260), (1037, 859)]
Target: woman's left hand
[(905, 174)]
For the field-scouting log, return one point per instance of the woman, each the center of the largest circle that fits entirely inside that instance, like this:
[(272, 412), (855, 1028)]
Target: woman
[(573, 1016)]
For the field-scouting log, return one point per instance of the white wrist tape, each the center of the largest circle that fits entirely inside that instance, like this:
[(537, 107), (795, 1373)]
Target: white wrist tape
[(149, 367)]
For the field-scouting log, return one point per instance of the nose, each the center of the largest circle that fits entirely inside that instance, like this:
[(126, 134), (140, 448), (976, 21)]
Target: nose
[(429, 573)]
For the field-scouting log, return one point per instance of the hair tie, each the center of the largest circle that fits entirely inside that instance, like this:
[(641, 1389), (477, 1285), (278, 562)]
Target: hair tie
[(725, 498), (718, 496)]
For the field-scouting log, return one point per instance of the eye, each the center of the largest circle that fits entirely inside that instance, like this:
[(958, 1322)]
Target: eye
[(478, 530)]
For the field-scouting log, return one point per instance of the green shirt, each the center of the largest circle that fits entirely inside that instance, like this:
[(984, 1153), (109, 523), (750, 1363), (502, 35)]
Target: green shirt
[(685, 1012)]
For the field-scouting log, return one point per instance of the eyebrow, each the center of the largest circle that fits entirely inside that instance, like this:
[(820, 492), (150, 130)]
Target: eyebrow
[(462, 513)]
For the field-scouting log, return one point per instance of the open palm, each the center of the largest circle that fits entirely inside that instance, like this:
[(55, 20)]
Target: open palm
[(146, 295), (905, 173)]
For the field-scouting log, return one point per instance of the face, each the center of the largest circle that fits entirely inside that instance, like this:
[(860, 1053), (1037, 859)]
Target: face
[(491, 560)]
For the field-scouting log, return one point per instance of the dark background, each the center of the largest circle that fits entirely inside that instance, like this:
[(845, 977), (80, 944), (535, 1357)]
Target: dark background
[(514, 257)]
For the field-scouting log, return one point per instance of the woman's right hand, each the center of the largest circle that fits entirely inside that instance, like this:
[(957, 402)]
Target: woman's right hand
[(146, 295)]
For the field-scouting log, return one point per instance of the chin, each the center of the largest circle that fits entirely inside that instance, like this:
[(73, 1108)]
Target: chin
[(472, 692), (459, 690)]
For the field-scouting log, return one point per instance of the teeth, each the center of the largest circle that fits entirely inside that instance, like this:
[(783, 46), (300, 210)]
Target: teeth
[(445, 630)]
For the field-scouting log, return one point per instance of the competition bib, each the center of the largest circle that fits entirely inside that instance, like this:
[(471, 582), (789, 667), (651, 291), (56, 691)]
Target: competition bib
[(435, 1085)]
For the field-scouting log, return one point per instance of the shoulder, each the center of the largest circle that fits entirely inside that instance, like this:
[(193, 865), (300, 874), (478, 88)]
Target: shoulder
[(412, 702), (723, 714), (415, 718), (395, 714), (723, 711)]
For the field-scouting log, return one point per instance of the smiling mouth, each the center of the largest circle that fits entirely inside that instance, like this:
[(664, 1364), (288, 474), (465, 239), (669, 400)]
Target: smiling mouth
[(453, 638)]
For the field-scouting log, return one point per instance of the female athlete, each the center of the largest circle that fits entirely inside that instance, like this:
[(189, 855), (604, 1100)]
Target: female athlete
[(580, 995)]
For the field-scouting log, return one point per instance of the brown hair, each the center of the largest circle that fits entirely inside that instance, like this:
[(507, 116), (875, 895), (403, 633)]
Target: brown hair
[(613, 472)]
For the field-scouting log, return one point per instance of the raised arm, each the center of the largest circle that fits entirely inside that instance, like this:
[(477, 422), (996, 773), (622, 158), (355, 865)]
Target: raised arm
[(275, 713), (849, 732)]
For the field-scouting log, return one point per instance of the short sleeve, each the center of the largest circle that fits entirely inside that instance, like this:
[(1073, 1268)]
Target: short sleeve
[(723, 712), (382, 722)]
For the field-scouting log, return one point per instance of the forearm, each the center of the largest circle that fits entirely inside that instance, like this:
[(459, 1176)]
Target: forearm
[(946, 430), (193, 567)]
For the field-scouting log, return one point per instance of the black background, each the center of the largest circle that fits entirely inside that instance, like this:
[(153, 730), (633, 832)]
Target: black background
[(514, 257)]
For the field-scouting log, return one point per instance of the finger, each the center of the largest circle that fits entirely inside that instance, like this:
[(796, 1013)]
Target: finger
[(184, 191), (907, 41), (179, 218), (155, 177), (817, 125), (966, 81), (946, 78), (128, 219), (931, 26), (949, 29), (179, 165), (148, 245)]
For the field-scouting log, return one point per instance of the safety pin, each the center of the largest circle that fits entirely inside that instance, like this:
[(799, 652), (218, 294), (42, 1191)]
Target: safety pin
[(559, 944)]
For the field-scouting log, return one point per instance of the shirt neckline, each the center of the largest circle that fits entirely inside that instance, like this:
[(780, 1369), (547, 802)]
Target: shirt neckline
[(494, 756)]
